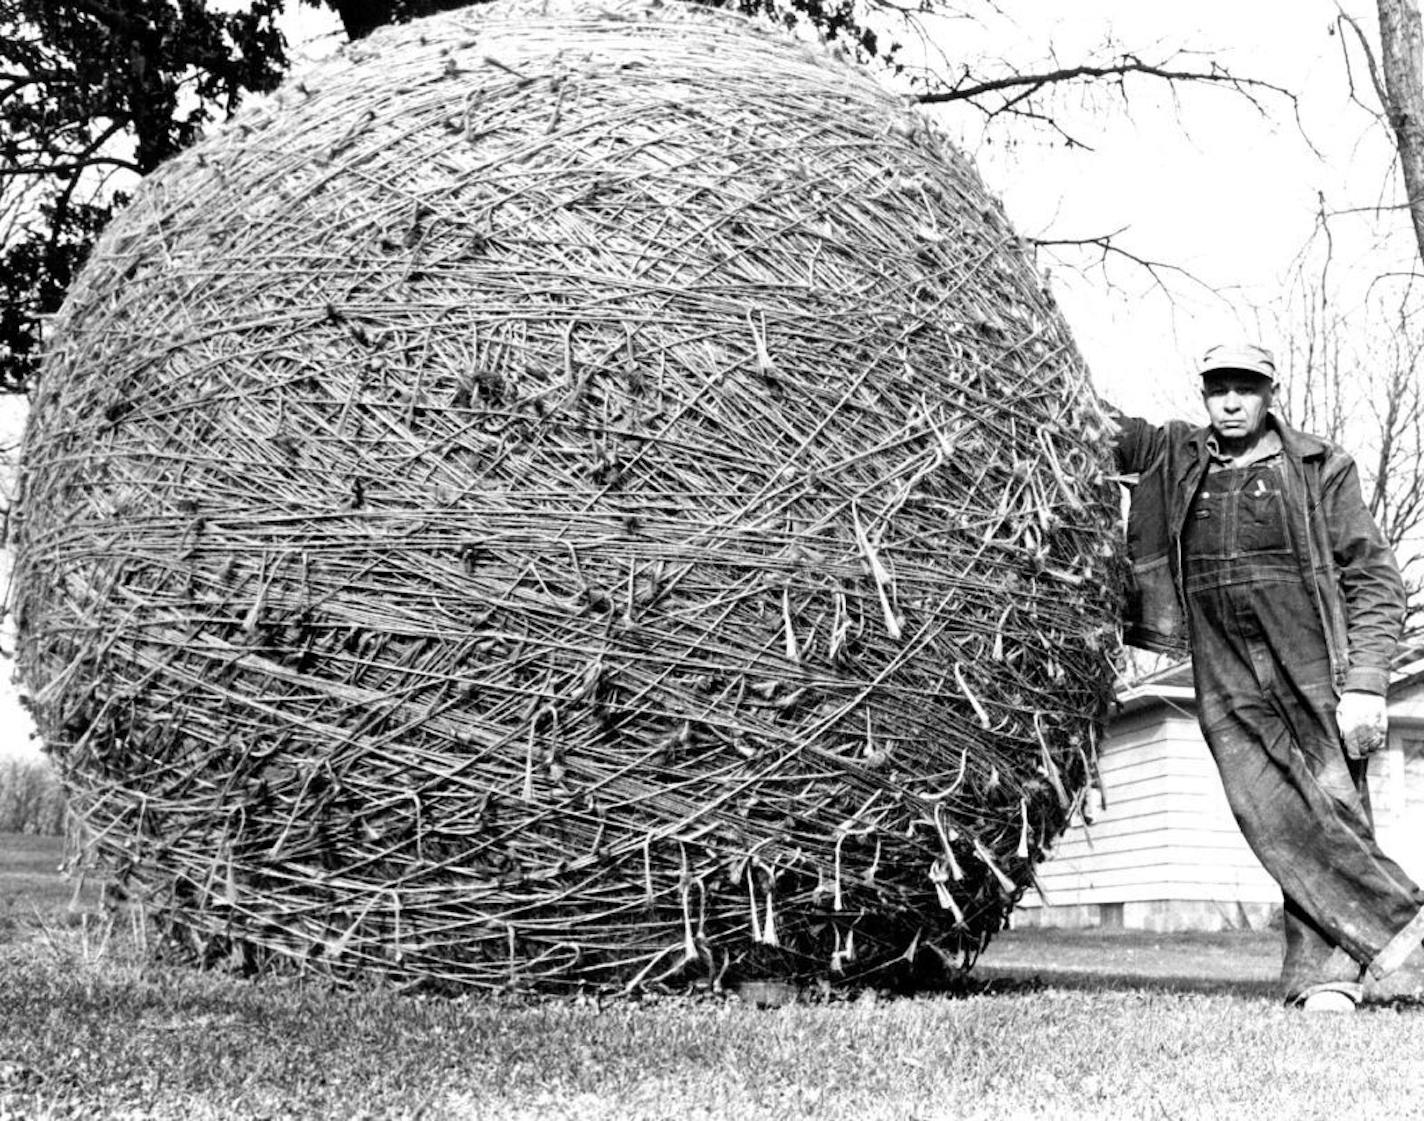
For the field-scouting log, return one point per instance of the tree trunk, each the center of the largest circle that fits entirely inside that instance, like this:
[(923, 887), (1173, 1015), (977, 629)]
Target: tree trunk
[(361, 17), (1402, 55)]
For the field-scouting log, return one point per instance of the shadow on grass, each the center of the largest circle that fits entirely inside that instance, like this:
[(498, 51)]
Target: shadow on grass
[(1007, 979), (1401, 992), (1243, 963)]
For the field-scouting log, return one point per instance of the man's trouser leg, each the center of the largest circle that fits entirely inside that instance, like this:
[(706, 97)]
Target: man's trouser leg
[(1295, 799), (1311, 957)]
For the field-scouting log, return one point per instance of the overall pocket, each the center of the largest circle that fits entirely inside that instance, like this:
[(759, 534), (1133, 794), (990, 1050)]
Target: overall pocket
[(1261, 514)]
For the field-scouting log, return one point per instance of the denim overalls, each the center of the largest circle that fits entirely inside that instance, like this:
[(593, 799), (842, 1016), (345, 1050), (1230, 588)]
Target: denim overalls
[(1267, 706)]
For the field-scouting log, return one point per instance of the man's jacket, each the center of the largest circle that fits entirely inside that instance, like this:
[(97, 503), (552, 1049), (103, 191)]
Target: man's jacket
[(1359, 592)]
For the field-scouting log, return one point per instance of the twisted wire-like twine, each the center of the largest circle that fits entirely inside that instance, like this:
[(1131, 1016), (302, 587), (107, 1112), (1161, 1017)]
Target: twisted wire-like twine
[(549, 496)]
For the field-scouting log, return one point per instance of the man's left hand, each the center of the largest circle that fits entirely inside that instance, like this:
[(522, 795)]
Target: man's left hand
[(1363, 719)]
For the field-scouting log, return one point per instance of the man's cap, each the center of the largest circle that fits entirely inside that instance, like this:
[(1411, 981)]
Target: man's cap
[(1248, 358)]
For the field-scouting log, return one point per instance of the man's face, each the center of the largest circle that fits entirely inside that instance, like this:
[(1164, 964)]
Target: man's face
[(1236, 403)]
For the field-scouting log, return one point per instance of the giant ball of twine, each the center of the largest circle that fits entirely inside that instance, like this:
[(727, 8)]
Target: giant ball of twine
[(568, 495)]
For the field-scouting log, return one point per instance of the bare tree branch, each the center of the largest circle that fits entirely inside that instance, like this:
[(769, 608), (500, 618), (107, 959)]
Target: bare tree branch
[(1402, 95), (1109, 247), (68, 169), (1361, 388), (968, 89), (1342, 20)]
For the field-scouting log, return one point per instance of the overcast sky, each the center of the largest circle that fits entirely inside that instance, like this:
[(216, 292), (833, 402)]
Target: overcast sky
[(1202, 180)]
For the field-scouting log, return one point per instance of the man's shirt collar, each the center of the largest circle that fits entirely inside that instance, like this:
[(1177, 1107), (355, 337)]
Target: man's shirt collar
[(1266, 447)]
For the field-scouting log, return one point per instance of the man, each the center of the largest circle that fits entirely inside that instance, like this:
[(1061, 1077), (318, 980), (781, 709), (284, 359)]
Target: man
[(1252, 542)]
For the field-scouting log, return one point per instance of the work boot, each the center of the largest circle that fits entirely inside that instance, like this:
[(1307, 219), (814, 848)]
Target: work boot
[(1327, 1000), (1332, 996)]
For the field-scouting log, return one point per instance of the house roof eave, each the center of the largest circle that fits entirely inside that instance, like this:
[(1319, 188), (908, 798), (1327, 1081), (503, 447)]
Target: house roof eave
[(1142, 696)]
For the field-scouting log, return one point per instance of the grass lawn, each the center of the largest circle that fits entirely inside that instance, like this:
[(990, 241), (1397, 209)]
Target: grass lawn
[(1242, 962), (1108, 1025), (30, 883)]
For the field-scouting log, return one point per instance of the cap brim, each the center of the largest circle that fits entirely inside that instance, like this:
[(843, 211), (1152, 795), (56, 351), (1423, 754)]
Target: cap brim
[(1233, 369)]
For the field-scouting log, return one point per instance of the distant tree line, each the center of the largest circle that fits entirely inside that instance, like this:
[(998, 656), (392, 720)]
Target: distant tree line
[(31, 798)]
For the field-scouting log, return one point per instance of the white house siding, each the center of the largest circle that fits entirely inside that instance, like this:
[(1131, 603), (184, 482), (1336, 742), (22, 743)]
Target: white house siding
[(1162, 850), (1397, 794)]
